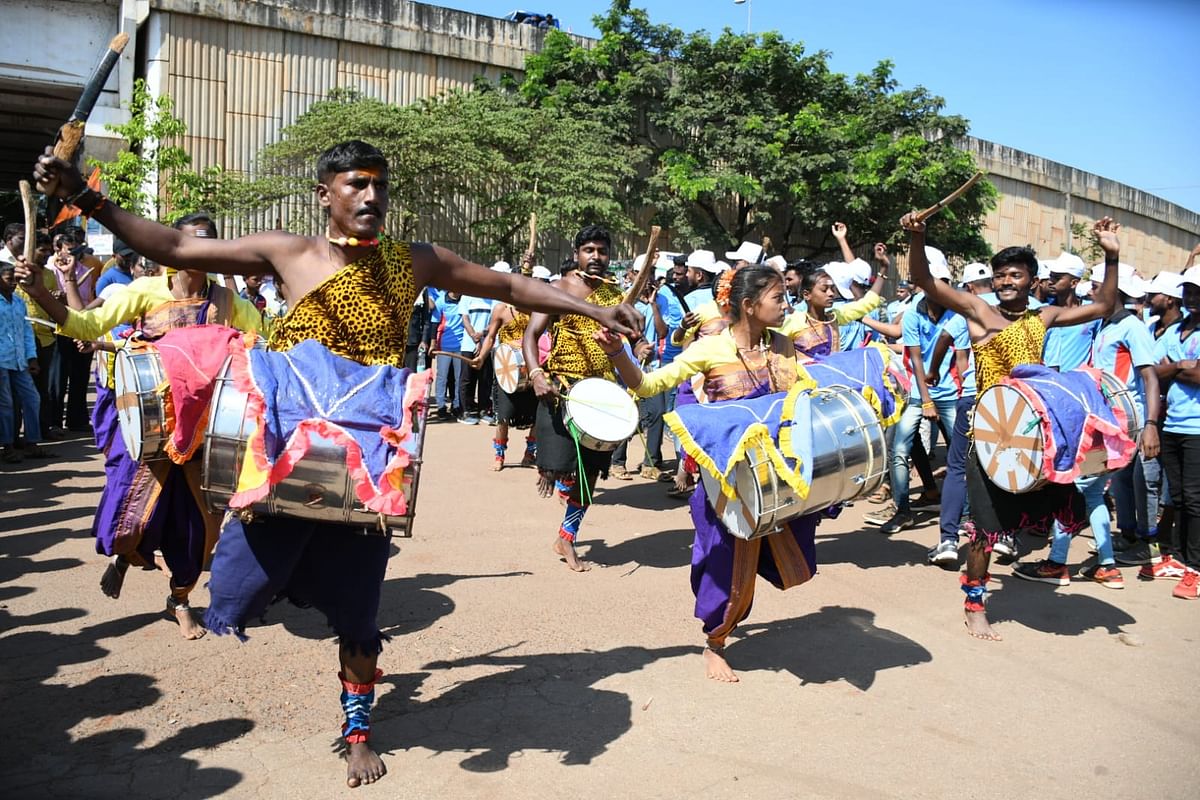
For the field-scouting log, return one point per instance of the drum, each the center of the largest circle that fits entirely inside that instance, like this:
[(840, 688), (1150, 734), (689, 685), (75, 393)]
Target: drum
[(601, 412), (509, 364), (1009, 442), (318, 488), (139, 385), (849, 461)]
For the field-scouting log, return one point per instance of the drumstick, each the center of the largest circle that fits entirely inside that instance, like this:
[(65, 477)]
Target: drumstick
[(37, 321), (635, 291), (459, 356), (948, 199), (527, 263), (29, 203)]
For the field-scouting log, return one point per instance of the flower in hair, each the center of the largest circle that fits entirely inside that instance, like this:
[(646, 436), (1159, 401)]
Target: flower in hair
[(724, 287)]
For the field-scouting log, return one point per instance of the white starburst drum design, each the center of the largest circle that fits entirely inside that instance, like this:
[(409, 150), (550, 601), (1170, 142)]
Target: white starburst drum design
[(139, 384), (601, 413), (319, 486), (1007, 429), (509, 364), (849, 461)]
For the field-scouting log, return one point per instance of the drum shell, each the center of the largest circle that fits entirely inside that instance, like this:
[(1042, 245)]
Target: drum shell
[(508, 363), (622, 429), (137, 376), (849, 461), (319, 487)]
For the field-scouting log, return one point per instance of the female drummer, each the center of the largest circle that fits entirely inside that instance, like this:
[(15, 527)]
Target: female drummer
[(745, 360), (519, 409), (155, 506)]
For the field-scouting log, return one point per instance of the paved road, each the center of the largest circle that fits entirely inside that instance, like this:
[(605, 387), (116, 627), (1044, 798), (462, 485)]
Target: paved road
[(510, 677)]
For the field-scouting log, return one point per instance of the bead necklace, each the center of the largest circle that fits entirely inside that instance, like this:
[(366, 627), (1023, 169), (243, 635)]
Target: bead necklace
[(351, 241)]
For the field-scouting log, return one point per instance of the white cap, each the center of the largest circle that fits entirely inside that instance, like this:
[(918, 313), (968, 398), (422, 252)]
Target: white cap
[(1123, 271), (541, 273), (1191, 276), (1131, 285), (638, 263), (1068, 264), (703, 259), (976, 271), (1043, 273), (502, 266), (839, 271), (1167, 283), (720, 267), (747, 251), (778, 262), (1083, 288), (860, 272), (555, 277), (935, 257), (941, 271)]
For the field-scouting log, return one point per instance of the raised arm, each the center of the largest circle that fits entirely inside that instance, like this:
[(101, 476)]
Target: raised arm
[(1104, 302), (884, 263), (437, 266), (839, 232), (941, 293)]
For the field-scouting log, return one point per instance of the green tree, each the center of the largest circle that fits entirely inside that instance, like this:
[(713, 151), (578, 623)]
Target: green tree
[(749, 136)]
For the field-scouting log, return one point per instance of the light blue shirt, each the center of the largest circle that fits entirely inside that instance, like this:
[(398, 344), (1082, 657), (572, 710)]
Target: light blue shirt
[(1122, 347), (1183, 399), (452, 333), (478, 311), (673, 316), (17, 344), (956, 328), (1069, 347), (918, 330)]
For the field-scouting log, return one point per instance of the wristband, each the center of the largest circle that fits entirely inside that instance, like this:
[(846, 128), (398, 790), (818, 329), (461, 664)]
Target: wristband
[(535, 371)]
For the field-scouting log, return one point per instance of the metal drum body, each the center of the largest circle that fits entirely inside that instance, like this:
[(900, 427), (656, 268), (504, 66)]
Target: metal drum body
[(318, 488), (849, 461), (1008, 435), (508, 362), (138, 382), (603, 413)]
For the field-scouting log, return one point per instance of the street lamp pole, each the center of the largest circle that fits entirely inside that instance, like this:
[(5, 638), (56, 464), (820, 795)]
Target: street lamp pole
[(749, 8)]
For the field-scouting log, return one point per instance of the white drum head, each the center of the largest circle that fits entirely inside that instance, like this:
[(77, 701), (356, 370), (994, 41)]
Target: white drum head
[(1008, 439), (509, 365), (129, 407), (603, 410)]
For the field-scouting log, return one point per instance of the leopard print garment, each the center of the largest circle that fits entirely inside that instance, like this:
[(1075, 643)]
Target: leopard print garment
[(361, 312), (512, 331), (575, 354)]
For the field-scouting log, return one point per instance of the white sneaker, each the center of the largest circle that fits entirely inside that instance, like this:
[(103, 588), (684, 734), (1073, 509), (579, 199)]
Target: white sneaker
[(945, 554)]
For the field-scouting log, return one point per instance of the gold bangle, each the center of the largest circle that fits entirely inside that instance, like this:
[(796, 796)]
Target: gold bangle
[(535, 371)]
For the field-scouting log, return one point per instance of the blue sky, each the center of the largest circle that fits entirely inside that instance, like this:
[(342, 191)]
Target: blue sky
[(1109, 87)]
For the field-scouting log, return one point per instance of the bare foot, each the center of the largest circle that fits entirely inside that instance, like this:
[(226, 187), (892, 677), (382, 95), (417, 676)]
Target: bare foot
[(189, 626), (363, 765), (717, 668), (567, 551), (979, 627), (497, 464), (114, 577)]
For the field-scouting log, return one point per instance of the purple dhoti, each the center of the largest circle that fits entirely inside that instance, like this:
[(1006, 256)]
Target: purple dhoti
[(724, 567)]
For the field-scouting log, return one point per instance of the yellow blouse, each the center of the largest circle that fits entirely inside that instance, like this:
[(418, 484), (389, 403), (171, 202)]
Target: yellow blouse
[(512, 331), (361, 312), (727, 376)]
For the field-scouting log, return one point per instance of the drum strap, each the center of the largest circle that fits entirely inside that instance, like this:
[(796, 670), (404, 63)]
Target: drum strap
[(356, 702)]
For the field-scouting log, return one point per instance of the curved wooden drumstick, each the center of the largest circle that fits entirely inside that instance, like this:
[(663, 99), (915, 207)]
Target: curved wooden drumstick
[(950, 198), (635, 291), (459, 356)]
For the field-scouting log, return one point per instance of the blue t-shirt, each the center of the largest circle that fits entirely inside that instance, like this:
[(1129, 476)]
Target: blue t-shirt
[(452, 333), (673, 316), (918, 330), (1183, 399), (110, 276), (956, 328), (1121, 347), (1069, 347), (851, 335), (478, 310)]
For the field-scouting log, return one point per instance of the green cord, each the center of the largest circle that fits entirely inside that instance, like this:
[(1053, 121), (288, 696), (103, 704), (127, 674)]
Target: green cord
[(585, 496)]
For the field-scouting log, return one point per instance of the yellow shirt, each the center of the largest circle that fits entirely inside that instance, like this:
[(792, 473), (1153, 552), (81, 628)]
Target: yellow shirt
[(137, 298), (797, 321), (709, 354), (43, 333)]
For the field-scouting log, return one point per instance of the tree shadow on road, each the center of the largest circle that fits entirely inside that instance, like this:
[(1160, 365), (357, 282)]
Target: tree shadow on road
[(663, 550), (1063, 612), (835, 643), (541, 701)]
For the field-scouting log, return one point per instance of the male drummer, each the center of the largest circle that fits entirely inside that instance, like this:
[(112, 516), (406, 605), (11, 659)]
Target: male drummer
[(352, 290), (1005, 336), (574, 355)]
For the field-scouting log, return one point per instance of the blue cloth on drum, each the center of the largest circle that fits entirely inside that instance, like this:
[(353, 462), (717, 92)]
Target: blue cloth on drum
[(1073, 409), (329, 567), (308, 392), (717, 435), (864, 371)]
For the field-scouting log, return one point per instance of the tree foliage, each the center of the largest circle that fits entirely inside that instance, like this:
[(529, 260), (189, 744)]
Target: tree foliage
[(748, 136)]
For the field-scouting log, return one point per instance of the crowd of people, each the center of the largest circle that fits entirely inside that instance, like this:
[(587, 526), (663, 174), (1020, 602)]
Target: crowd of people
[(704, 330)]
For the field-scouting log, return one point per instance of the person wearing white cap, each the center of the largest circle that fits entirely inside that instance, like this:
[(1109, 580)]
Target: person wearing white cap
[(1041, 285), (563, 464), (1178, 354), (1067, 347), (477, 380), (1004, 337), (747, 253), (1124, 349), (1165, 295), (540, 272)]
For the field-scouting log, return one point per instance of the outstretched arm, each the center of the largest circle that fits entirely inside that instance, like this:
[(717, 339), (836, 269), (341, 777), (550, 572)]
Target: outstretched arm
[(1104, 302), (942, 294)]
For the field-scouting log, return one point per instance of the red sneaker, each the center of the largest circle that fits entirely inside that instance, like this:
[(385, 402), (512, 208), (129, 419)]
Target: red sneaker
[(1189, 585), (1108, 577), (1168, 568)]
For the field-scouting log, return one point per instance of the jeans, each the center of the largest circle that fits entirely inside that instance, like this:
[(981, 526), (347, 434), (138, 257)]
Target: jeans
[(1181, 456), (1135, 490), (650, 421), (906, 429), (1092, 490), (954, 488), (18, 383), (445, 367)]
